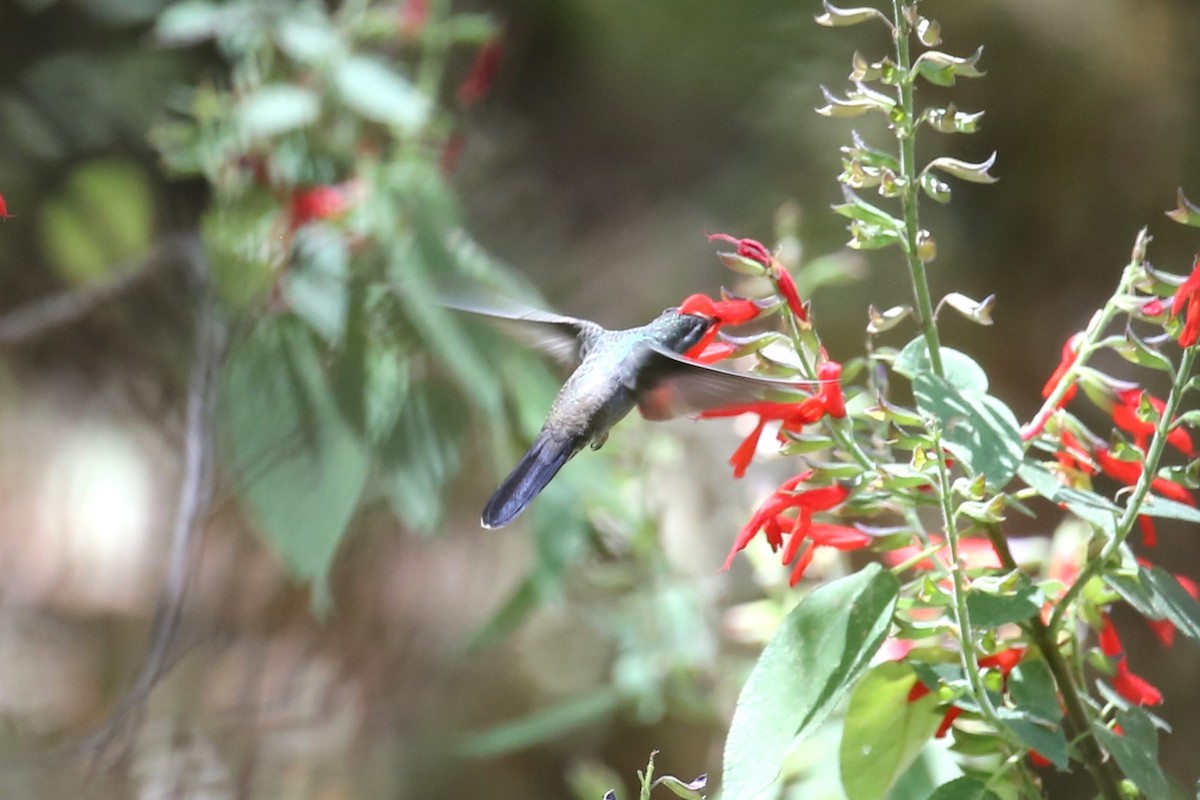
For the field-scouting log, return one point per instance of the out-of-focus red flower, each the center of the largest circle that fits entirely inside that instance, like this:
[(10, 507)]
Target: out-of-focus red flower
[(1036, 759), (317, 202), (4, 209), (482, 74), (452, 154), (1072, 454), (976, 553), (1125, 416), (755, 250), (1005, 661), (1130, 472), (1188, 294), (1153, 307), (1132, 687), (413, 15), (771, 519), (1149, 532)]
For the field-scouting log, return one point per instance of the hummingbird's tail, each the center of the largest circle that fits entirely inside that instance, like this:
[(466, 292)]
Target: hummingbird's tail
[(535, 469)]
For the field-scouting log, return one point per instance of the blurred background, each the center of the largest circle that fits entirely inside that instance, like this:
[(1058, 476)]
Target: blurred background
[(433, 659)]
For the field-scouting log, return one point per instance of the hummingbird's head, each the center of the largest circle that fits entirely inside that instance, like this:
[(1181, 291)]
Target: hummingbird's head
[(679, 331)]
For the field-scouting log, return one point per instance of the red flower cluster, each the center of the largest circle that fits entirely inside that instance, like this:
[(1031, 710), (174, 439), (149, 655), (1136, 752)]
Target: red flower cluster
[(734, 311), (1125, 416), (482, 74), (4, 209), (1132, 687), (1188, 294), (316, 202), (774, 520), (1005, 661), (794, 416), (754, 250)]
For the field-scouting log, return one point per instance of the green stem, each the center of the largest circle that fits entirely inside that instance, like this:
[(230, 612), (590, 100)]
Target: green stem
[(906, 134)]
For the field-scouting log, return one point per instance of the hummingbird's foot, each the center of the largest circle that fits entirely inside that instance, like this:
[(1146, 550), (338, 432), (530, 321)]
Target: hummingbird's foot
[(599, 440)]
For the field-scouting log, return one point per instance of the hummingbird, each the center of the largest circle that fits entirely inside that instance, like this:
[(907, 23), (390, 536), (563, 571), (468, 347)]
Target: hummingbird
[(615, 371)]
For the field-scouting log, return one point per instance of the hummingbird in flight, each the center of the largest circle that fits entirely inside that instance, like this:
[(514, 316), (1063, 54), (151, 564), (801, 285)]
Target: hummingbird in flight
[(614, 372)]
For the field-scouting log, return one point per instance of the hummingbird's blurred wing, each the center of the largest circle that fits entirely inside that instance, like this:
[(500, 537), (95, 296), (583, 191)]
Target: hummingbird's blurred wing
[(672, 386), (558, 336)]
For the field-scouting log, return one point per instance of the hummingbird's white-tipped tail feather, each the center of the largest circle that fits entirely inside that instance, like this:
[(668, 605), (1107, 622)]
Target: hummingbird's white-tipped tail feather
[(535, 469)]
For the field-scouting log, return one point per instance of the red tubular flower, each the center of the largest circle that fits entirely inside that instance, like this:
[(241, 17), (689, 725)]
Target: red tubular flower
[(1072, 454), (746, 248), (1125, 416), (1153, 307), (1130, 472), (1133, 688), (1070, 354), (4, 209), (794, 416), (791, 295), (734, 311), (482, 74), (767, 517), (1188, 293), (830, 375), (318, 202)]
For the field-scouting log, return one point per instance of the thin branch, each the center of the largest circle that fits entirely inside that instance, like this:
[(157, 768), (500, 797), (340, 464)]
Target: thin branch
[(195, 497), (60, 310)]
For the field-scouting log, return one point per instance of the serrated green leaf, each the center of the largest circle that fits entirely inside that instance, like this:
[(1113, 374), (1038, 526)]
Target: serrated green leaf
[(829, 639), (883, 732), (1136, 752), (299, 467), (961, 370), (373, 89), (989, 610), (276, 108), (976, 427), (964, 170), (964, 788)]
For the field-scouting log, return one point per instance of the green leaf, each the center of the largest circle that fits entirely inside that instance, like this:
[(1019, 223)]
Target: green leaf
[(1048, 740), (422, 456), (1172, 601), (307, 36), (317, 285), (977, 428), (1136, 752), (379, 93), (298, 466), (819, 651), (275, 109), (1088, 506), (991, 610), (541, 726), (883, 732), (1032, 689), (194, 21), (964, 788), (1164, 508), (961, 370)]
